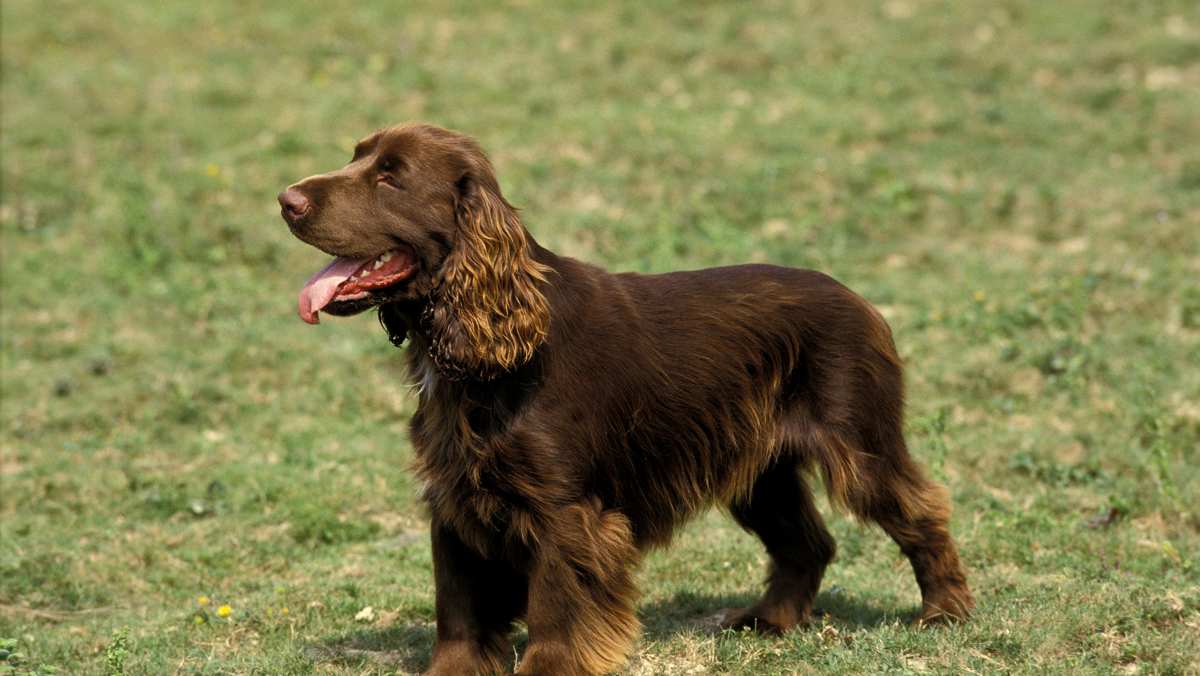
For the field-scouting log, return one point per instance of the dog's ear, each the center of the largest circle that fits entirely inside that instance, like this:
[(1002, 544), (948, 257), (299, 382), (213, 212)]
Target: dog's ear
[(488, 314)]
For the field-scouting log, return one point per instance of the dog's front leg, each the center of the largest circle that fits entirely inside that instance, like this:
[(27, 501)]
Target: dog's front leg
[(477, 601), (581, 595)]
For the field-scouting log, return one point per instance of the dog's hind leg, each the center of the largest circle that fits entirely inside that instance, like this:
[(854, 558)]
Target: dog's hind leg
[(853, 427), (781, 512), (884, 484)]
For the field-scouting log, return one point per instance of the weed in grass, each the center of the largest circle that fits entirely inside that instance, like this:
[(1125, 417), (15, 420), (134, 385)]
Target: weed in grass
[(116, 653)]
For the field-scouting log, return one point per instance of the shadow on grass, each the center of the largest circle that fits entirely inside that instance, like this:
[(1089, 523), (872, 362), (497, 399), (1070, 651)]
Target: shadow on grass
[(689, 611), (406, 648)]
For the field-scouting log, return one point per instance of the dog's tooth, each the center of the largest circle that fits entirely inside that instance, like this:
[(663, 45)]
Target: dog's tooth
[(378, 264), (364, 273), (386, 257)]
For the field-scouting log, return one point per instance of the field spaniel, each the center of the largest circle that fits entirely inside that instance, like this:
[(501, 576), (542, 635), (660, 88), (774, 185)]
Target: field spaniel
[(570, 418)]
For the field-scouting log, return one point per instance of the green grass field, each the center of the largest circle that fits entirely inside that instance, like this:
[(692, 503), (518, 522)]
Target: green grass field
[(1016, 185)]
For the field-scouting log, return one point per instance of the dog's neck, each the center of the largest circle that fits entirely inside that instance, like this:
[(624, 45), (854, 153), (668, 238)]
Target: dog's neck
[(411, 322)]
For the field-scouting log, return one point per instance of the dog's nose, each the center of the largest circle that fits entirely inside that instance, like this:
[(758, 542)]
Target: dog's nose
[(294, 204)]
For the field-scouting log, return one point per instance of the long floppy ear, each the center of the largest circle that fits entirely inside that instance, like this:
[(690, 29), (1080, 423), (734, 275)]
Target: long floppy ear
[(488, 314)]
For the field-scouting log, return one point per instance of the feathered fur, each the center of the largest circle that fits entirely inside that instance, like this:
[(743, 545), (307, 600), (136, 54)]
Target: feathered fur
[(487, 314), (569, 419)]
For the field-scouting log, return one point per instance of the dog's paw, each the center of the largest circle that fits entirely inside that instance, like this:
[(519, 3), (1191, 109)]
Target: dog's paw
[(947, 608), (738, 619)]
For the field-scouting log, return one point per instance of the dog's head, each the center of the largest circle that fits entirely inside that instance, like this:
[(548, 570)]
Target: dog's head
[(417, 220)]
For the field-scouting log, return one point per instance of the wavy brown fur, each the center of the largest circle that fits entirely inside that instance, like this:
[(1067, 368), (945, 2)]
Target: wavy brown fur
[(569, 419), (490, 315)]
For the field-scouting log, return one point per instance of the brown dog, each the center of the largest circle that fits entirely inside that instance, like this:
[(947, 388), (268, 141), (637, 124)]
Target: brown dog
[(571, 418)]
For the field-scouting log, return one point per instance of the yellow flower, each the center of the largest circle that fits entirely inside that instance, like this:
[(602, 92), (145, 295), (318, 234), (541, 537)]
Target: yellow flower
[(283, 610), (212, 170), (979, 296), (224, 611), (203, 600)]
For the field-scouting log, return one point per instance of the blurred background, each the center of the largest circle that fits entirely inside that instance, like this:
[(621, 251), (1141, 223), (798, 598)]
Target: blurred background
[(194, 481)]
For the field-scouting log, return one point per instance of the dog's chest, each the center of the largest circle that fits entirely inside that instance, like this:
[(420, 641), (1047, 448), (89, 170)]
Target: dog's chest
[(465, 485), (465, 498)]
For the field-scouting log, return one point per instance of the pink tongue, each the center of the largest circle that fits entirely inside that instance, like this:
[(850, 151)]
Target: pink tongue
[(323, 286)]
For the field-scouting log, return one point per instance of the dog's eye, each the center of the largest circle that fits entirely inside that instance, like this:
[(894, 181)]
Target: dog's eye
[(388, 166)]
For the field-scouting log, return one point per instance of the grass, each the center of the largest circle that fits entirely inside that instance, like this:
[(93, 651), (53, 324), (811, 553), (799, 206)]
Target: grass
[(1015, 184)]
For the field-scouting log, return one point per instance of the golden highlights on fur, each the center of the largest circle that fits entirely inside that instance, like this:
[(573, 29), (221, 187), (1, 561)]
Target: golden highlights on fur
[(491, 315), (570, 419)]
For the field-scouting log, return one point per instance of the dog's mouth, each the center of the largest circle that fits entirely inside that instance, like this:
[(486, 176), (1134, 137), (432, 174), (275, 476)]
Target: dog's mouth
[(350, 285)]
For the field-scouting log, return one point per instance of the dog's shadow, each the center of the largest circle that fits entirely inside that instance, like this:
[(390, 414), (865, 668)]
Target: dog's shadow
[(408, 648), (401, 648), (689, 612)]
